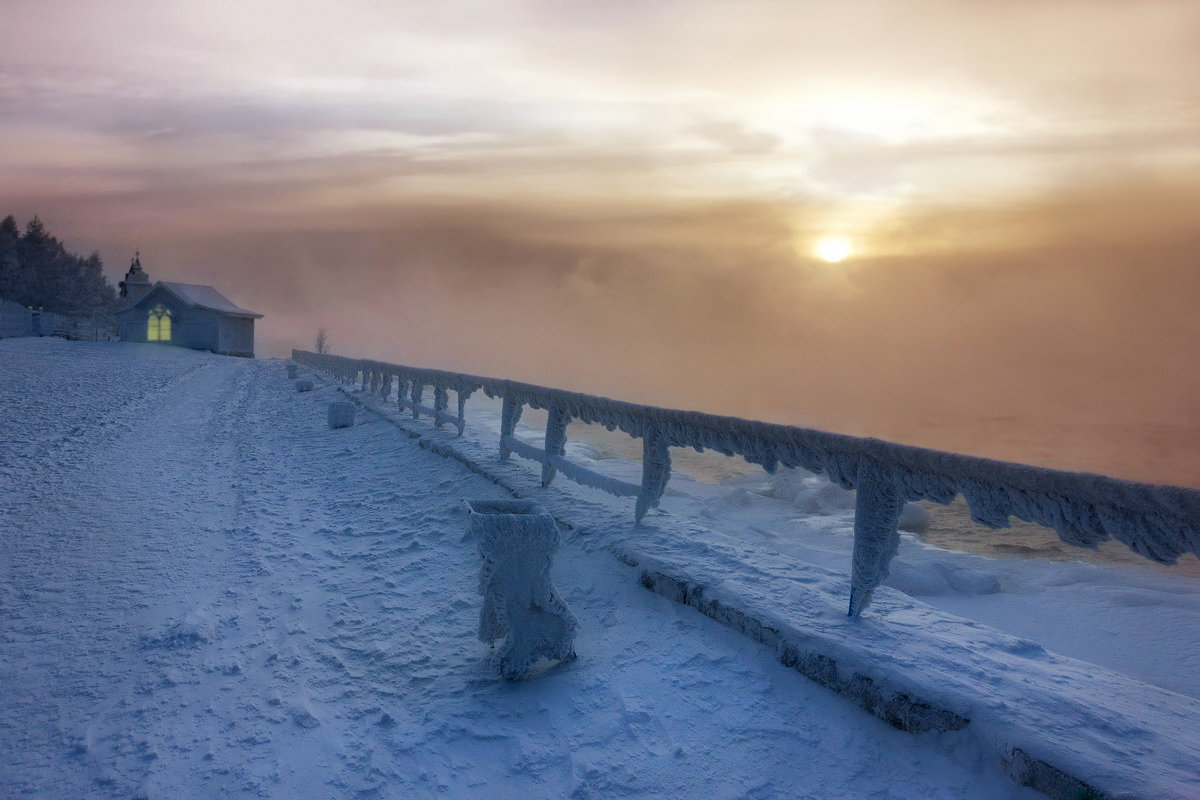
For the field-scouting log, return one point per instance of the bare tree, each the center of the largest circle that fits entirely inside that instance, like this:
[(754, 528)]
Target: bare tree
[(322, 342)]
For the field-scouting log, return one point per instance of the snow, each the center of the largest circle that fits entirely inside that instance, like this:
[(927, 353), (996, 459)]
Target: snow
[(194, 294), (207, 592)]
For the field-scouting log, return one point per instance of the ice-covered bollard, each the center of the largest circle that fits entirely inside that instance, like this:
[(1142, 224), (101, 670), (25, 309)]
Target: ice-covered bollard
[(304, 386), (291, 368), (341, 414), (517, 539)]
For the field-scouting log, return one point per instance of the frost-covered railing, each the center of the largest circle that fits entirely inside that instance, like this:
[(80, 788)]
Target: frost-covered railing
[(1157, 522)]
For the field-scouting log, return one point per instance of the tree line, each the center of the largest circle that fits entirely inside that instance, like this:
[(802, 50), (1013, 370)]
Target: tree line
[(37, 270)]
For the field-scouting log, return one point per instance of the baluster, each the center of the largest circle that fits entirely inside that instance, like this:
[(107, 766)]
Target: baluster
[(510, 413), (441, 401), (401, 391), (656, 469), (556, 440), (876, 513), (462, 409), (418, 389)]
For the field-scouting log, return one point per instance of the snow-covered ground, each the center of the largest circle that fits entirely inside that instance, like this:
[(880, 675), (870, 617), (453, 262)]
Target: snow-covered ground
[(206, 592)]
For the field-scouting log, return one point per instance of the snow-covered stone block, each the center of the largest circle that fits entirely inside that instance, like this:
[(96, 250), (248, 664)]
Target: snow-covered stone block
[(341, 414), (304, 386), (291, 369), (517, 540)]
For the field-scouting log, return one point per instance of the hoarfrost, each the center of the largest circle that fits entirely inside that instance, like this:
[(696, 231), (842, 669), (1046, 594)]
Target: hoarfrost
[(517, 540)]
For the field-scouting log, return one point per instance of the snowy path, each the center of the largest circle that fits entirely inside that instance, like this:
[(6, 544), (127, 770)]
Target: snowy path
[(206, 593)]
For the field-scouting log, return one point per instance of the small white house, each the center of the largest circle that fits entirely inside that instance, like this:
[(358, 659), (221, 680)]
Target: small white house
[(183, 314)]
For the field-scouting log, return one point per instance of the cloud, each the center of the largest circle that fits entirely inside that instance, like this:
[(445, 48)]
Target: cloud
[(621, 197)]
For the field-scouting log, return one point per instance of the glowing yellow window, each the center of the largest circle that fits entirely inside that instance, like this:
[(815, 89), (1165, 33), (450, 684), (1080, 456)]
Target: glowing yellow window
[(158, 327)]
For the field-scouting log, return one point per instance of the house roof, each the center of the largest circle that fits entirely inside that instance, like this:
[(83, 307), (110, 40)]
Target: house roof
[(195, 295)]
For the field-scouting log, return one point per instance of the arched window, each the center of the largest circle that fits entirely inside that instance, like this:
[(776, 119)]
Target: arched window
[(158, 327)]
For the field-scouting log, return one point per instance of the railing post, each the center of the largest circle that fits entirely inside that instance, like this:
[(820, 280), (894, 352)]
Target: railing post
[(510, 413), (656, 469), (462, 410), (385, 386), (418, 389), (556, 440), (401, 391), (876, 513), (366, 372), (441, 401)]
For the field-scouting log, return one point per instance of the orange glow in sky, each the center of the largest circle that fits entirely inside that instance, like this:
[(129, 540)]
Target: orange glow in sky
[(643, 199)]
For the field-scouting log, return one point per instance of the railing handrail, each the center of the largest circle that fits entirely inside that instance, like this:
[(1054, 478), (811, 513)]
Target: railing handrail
[(1158, 522)]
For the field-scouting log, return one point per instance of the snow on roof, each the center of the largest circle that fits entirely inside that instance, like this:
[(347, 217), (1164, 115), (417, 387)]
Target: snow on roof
[(194, 294)]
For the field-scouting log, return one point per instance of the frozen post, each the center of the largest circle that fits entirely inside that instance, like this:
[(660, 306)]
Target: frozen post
[(291, 368), (341, 414), (876, 514), (656, 469), (517, 539), (462, 409), (556, 441), (401, 392), (510, 414), (441, 401), (418, 389)]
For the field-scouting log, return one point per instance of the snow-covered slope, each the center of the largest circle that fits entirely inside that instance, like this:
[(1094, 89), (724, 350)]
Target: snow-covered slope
[(207, 592)]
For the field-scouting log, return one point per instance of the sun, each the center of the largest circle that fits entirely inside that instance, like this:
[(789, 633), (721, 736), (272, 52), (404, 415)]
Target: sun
[(832, 249)]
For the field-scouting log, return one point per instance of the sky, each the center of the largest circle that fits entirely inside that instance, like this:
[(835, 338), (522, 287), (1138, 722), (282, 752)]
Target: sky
[(631, 198)]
